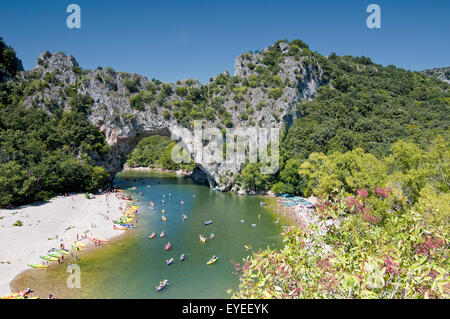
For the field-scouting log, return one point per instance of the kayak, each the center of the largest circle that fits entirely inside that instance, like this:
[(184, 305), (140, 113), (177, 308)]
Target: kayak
[(167, 247), (152, 235), (163, 218), (49, 258), (127, 225), (79, 244), (162, 285), (77, 248), (170, 261), (37, 266), (208, 222), (212, 260), (17, 295), (53, 254), (202, 239), (120, 228), (63, 251), (162, 234), (182, 257)]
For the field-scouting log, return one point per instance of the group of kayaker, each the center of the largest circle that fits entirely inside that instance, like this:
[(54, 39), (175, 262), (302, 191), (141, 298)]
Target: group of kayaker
[(170, 261)]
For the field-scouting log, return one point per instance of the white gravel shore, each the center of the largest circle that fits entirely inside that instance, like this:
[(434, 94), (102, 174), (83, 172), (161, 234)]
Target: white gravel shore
[(46, 225)]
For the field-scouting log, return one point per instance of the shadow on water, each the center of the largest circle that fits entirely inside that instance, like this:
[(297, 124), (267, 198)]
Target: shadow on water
[(132, 266)]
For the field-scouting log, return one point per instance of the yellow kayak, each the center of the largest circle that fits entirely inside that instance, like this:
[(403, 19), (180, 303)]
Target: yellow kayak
[(76, 248), (212, 260), (202, 239), (79, 244), (37, 266)]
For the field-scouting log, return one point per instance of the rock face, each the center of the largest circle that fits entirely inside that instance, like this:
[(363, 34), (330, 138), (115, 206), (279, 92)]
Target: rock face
[(125, 108), (442, 74)]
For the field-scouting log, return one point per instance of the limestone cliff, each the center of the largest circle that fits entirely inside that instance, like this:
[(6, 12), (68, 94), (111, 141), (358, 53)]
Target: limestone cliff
[(128, 107)]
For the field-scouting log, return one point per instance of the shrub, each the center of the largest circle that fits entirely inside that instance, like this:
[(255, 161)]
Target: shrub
[(18, 223), (276, 93)]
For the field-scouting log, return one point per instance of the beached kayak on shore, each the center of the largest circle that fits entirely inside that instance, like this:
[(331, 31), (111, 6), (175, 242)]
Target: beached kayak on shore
[(37, 266), (49, 258), (54, 254), (77, 248), (79, 244)]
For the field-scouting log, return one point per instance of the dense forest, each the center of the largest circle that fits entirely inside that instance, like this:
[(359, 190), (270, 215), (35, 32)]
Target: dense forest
[(156, 152), (44, 153)]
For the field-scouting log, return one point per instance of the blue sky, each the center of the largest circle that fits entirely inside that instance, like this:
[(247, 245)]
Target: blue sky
[(172, 40)]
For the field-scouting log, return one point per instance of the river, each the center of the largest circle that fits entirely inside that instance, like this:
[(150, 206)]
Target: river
[(132, 266)]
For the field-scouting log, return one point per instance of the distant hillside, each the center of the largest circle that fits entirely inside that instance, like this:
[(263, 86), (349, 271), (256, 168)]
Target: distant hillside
[(442, 74)]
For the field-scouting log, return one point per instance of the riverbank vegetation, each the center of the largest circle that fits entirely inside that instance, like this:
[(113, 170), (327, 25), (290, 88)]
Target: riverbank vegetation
[(382, 231), (156, 152)]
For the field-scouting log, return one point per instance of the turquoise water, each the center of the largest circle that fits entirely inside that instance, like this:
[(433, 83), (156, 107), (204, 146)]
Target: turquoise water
[(133, 266)]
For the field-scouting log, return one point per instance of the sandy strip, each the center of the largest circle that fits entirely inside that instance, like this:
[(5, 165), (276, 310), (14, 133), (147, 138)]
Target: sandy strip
[(299, 214), (45, 227)]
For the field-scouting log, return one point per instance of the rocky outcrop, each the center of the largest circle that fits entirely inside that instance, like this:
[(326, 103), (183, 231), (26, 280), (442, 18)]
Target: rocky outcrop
[(128, 107), (442, 74)]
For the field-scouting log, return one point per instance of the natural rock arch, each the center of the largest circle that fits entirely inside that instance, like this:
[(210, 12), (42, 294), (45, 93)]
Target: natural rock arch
[(124, 125)]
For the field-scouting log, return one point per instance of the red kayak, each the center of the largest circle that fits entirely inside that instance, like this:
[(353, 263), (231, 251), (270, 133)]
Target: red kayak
[(152, 235), (167, 247)]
